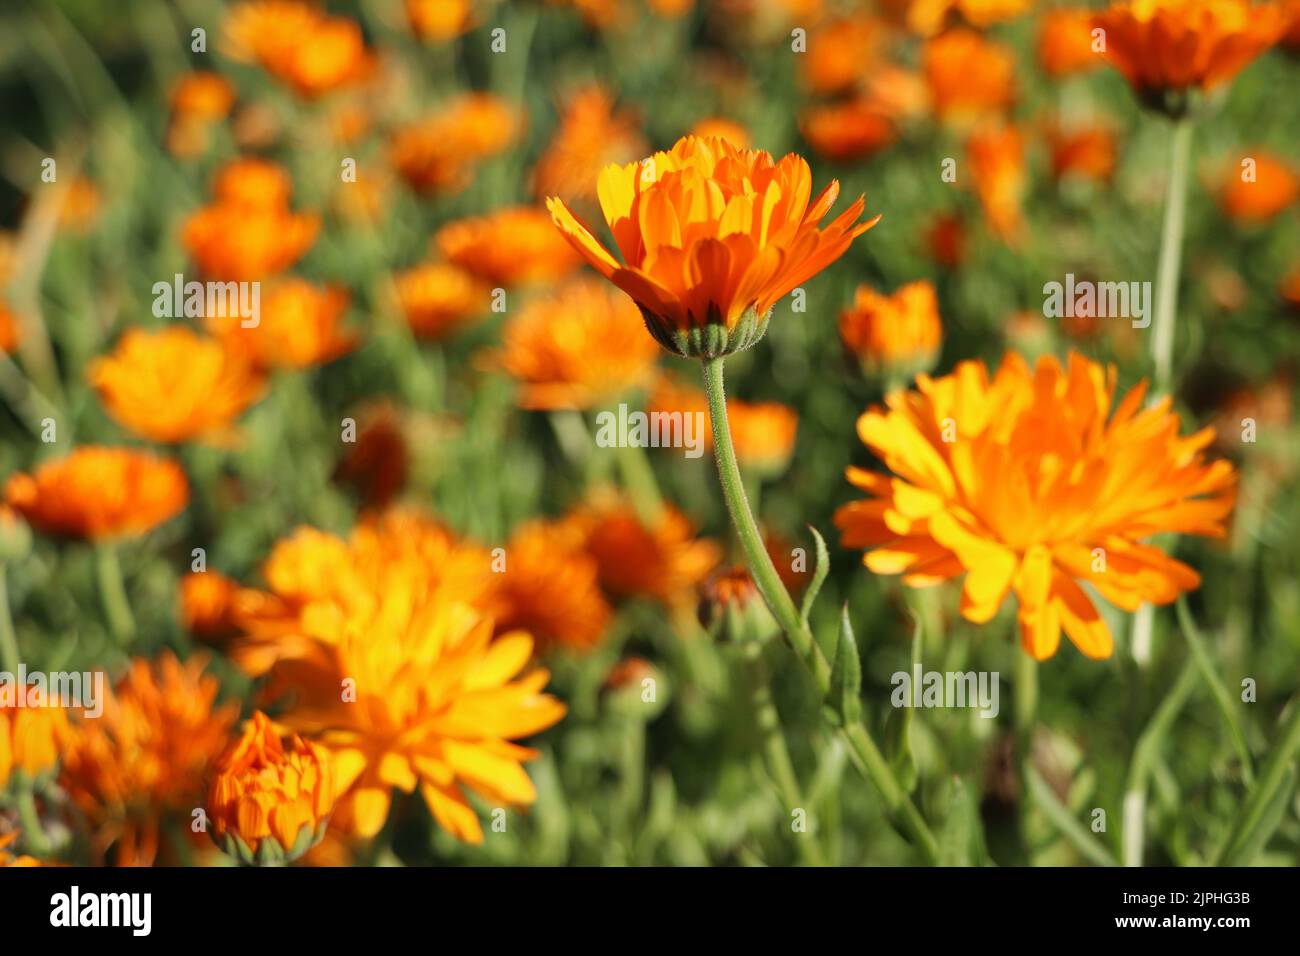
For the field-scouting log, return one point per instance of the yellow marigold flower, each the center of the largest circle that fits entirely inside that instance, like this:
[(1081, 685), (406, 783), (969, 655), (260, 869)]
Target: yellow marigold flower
[(144, 760), (550, 588), (1085, 151), (207, 605), (578, 347), (663, 560), (1065, 43), (590, 136), (841, 53), (438, 154), (301, 326), (270, 802), (439, 299), (720, 127), (1272, 187), (711, 237), (99, 492), (996, 155), (298, 44), (762, 433), (30, 737), (847, 131), (429, 699), (893, 336), (1029, 482), (969, 77), (1165, 48), (7, 858), (440, 19), (8, 329), (175, 386), (508, 247)]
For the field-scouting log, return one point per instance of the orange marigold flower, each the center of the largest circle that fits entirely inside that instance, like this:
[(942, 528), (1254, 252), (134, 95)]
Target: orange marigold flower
[(30, 736), (440, 19), (997, 162), (841, 53), (712, 236), (431, 699), (253, 183), (439, 299), (847, 131), (508, 247), (143, 762), (1029, 482), (731, 608), (578, 347), (1171, 46), (99, 492), (1066, 44), (969, 77), (928, 17), (232, 242), (207, 605), (762, 433), (298, 44), (301, 325), (270, 801), (1260, 191), (661, 560), (591, 135), (1086, 151), (175, 386), (8, 329), (945, 240), (550, 588), (80, 205), (198, 100), (438, 154), (722, 128), (894, 336)]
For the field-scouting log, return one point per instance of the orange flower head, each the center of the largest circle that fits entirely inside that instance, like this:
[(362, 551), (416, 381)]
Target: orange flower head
[(1166, 48), (1257, 192), (98, 492), (945, 240), (731, 608), (1066, 45), (252, 183), (848, 131), (550, 588), (1029, 482), (722, 128), (301, 325), (997, 162), (439, 154), (80, 207), (175, 386), (30, 736), (578, 347), (202, 95), (928, 17), (270, 799), (1085, 152), (969, 77), (298, 44), (508, 247), (762, 433), (8, 330), (711, 237), (396, 672), (893, 336), (440, 19), (207, 605), (591, 135), (439, 299), (230, 242), (660, 559), (145, 759), (841, 53)]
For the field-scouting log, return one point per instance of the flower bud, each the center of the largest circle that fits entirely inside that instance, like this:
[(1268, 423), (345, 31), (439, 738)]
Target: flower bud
[(732, 609)]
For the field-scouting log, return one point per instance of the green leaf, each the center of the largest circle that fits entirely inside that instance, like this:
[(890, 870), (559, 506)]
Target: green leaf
[(961, 841), (1218, 690), (846, 676), (1264, 823), (820, 570)]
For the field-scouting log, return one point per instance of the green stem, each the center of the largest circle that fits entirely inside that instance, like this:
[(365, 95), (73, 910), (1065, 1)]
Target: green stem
[(9, 659), (1277, 773), (1171, 247), (866, 755), (639, 481), (117, 609), (779, 764), (34, 838)]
